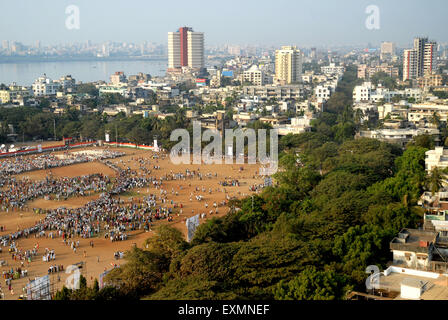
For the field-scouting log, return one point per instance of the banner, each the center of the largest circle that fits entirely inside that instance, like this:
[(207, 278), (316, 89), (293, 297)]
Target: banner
[(101, 281), (192, 225)]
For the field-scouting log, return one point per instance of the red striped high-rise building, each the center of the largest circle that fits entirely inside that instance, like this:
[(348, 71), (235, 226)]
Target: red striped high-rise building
[(185, 49)]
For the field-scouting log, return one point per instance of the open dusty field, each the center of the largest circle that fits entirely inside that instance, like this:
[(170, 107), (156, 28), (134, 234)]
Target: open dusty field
[(36, 143), (101, 256), (75, 170)]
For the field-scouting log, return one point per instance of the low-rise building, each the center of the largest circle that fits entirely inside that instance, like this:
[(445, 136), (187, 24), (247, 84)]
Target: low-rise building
[(14, 93), (277, 92), (322, 93), (427, 111), (367, 92), (437, 158), (436, 210), (333, 69), (366, 72), (393, 110), (44, 86), (116, 109), (413, 248), (67, 82), (121, 89), (401, 283), (363, 92), (368, 111), (397, 136), (298, 125), (243, 118), (117, 78), (254, 76), (430, 80), (274, 121)]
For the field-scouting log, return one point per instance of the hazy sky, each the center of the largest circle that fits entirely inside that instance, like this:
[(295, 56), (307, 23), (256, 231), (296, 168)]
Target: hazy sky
[(270, 22)]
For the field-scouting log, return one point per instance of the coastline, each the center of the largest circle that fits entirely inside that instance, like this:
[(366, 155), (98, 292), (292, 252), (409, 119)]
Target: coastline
[(43, 59)]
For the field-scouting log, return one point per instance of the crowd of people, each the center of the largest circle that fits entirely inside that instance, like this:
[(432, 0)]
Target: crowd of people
[(18, 192), (229, 183), (256, 187), (47, 161), (107, 213), (14, 274), (49, 255), (55, 268)]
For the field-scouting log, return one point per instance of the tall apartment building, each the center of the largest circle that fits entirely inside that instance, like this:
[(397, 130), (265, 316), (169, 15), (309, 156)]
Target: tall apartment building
[(387, 49), (429, 56), (419, 61), (186, 49), (288, 65), (174, 55), (410, 69)]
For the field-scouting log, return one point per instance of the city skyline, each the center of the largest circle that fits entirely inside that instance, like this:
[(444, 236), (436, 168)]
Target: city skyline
[(303, 23)]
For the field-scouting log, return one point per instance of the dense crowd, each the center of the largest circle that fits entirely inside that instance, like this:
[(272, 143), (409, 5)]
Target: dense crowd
[(19, 191), (108, 213), (46, 161), (85, 221)]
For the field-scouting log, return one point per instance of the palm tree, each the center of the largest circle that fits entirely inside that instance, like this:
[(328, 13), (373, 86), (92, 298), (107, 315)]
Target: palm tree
[(435, 180), (359, 115), (435, 119), (180, 117)]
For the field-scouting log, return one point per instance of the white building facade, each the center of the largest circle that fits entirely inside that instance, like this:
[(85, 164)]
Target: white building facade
[(44, 86)]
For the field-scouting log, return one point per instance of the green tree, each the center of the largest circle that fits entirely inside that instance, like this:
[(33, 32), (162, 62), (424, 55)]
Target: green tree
[(423, 140), (360, 247), (88, 88), (435, 180), (167, 242), (409, 179), (312, 284), (142, 274)]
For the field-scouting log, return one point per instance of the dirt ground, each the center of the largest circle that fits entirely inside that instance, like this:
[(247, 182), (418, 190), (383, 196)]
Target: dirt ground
[(100, 257), (75, 170)]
